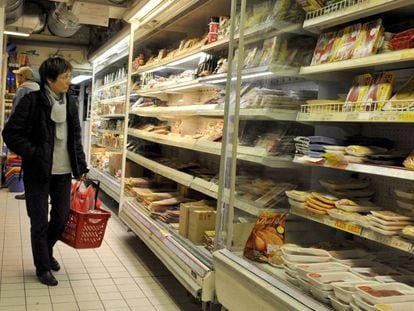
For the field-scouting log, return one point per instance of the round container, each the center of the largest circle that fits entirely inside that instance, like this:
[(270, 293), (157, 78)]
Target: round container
[(63, 23), (14, 10)]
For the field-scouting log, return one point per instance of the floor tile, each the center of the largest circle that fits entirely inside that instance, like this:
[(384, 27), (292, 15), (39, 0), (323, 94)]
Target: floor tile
[(11, 301), (110, 296), (90, 305), (12, 293), (66, 306), (40, 307), (112, 304), (35, 300), (87, 297)]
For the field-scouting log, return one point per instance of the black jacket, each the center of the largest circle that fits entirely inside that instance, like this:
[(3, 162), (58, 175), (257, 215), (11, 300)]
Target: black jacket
[(30, 133)]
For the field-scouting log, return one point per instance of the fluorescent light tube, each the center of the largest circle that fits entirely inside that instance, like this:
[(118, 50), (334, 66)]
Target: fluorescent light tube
[(187, 59), (147, 8), (80, 78), (16, 33), (157, 11)]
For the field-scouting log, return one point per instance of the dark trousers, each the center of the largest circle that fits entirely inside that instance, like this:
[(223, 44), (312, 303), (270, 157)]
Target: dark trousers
[(45, 233)]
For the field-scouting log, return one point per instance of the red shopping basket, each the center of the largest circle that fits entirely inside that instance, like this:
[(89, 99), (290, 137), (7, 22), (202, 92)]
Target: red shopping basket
[(86, 229)]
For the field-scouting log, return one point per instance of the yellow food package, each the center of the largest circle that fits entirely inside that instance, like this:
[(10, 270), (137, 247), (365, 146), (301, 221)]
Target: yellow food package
[(379, 92), (310, 5), (347, 44), (403, 99), (369, 39), (409, 161), (267, 235)]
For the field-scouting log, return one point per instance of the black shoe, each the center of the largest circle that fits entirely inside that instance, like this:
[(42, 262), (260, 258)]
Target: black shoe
[(54, 264), (48, 279), (20, 196)]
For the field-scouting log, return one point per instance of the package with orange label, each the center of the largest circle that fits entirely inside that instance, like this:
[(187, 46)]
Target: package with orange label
[(369, 39), (358, 92), (267, 235)]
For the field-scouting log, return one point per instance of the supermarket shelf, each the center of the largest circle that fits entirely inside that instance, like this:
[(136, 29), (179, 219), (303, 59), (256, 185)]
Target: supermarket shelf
[(392, 241), (109, 85), (196, 276), (177, 111), (112, 100), (212, 111), (251, 35), (198, 184), (250, 154), (108, 183), (173, 174), (110, 131), (258, 114), (119, 150), (386, 171), (391, 60), (373, 116), (177, 141), (258, 73), (319, 20), (111, 116), (176, 88), (204, 256)]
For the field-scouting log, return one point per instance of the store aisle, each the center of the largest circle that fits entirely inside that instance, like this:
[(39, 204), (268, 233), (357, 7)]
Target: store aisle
[(122, 274)]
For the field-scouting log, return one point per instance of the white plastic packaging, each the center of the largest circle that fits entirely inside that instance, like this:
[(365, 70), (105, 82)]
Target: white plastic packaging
[(304, 269), (324, 280), (386, 293)]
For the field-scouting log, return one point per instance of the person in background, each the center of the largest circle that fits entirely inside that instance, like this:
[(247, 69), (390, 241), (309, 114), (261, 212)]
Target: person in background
[(26, 85), (45, 131)]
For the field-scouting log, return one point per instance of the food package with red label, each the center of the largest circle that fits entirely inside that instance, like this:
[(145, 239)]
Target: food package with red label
[(369, 39), (324, 48), (347, 44), (357, 93), (379, 91), (267, 235)]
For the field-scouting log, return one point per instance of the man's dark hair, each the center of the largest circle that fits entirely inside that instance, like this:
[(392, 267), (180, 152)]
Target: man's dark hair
[(51, 68)]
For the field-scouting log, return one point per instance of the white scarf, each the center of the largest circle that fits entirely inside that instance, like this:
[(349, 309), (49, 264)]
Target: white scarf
[(58, 114)]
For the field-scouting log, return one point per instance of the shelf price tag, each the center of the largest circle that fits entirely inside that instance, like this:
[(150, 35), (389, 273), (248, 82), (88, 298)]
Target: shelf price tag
[(348, 227), (164, 232), (407, 116)]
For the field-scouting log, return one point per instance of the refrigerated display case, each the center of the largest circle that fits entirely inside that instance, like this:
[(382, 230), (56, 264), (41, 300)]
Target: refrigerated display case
[(109, 103), (175, 124), (344, 78)]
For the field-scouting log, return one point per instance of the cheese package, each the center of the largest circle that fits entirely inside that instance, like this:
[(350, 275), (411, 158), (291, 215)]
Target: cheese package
[(358, 92), (369, 39), (347, 42), (324, 48), (270, 50), (310, 5), (379, 91), (403, 99)]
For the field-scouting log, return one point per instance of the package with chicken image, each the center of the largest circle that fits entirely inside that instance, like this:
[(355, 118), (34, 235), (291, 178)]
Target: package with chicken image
[(267, 235)]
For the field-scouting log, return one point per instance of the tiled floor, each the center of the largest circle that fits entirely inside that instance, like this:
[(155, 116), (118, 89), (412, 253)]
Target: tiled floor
[(122, 274)]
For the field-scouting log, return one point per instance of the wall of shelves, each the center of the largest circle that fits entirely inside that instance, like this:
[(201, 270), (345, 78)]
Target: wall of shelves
[(276, 111)]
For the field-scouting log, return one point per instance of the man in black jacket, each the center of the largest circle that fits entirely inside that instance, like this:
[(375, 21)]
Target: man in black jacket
[(45, 131)]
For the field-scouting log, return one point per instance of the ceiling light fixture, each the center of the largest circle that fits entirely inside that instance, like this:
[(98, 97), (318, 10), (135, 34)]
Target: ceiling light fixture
[(149, 11), (16, 33), (187, 59), (81, 78)]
